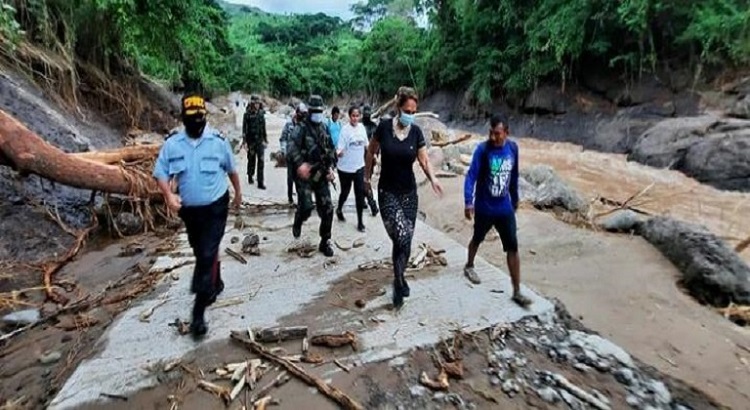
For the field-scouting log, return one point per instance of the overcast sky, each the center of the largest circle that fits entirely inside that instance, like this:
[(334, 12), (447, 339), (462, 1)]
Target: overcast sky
[(338, 8)]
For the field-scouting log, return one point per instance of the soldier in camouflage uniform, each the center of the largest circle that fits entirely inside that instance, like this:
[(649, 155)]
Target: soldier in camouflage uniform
[(311, 153), (254, 138), (370, 127)]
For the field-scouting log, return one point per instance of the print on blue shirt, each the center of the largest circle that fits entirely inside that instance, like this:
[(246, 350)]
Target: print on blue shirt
[(500, 169)]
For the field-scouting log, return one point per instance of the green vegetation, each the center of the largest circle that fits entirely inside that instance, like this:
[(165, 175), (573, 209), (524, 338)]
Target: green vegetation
[(492, 48)]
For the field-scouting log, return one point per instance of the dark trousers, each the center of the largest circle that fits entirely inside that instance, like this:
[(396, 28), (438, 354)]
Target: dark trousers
[(323, 203), (205, 228), (358, 180), (255, 155), (399, 213), (289, 182)]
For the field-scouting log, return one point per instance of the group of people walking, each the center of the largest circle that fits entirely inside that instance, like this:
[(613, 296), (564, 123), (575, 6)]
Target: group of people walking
[(318, 150)]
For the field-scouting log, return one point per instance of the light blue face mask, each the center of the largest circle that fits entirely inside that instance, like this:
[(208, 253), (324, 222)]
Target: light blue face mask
[(317, 117), (406, 119)]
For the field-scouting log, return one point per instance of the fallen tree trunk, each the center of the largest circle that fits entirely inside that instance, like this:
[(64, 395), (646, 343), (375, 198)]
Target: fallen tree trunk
[(27, 153), (119, 155)]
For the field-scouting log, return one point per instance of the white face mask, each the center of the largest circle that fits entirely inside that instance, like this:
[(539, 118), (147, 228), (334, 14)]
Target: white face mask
[(317, 117)]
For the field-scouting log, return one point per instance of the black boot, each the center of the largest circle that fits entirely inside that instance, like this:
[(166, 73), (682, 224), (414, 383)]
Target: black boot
[(340, 215), (261, 185), (398, 294), (325, 247), (297, 227), (405, 291), (198, 326), (250, 180), (373, 206), (219, 285), (361, 227)]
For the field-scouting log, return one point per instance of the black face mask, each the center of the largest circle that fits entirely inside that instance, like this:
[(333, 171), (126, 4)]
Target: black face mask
[(194, 125)]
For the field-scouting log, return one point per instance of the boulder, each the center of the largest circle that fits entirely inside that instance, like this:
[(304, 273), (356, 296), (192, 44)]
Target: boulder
[(711, 271), (429, 124), (437, 157), (741, 108), (621, 221), (546, 100), (128, 224), (710, 149), (551, 191)]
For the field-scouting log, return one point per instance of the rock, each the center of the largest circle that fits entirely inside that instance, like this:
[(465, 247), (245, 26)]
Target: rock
[(451, 153), (625, 376), (520, 362), (51, 357), (437, 157), (234, 240), (660, 391), (602, 347), (439, 396), (250, 244), (429, 124), (418, 390), (526, 190), (455, 399), (467, 148), (741, 108), (603, 366), (633, 401), (564, 354), (546, 100), (22, 317), (495, 381), (621, 221), (506, 354), (711, 271), (551, 191), (510, 387), (128, 224), (549, 395), (544, 340), (710, 149), (581, 367)]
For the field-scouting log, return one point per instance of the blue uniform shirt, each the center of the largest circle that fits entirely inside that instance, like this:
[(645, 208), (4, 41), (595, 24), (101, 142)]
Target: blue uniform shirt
[(200, 166)]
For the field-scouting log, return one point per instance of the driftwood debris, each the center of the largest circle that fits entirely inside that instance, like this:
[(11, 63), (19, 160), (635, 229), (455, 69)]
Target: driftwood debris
[(579, 393), (280, 334), (345, 339), (440, 384), (279, 380), (27, 153), (222, 392), (441, 144), (331, 392), (236, 255)]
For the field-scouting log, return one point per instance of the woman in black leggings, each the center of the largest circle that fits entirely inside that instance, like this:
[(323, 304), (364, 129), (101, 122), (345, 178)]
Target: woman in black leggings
[(351, 165), (400, 142)]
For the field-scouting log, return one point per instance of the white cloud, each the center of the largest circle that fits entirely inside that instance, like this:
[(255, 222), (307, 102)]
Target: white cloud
[(338, 8)]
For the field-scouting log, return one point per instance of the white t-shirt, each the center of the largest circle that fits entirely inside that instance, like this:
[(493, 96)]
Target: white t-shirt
[(353, 142)]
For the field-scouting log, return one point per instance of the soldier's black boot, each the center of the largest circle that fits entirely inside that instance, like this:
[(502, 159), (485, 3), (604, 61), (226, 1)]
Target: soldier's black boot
[(198, 326), (219, 285), (325, 247), (340, 215), (297, 227)]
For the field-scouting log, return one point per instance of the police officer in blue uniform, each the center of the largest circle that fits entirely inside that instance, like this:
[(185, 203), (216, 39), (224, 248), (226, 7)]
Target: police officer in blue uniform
[(199, 159)]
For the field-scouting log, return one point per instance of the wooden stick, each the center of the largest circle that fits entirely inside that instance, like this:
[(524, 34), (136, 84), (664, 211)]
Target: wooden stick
[(578, 392), (455, 141), (236, 255), (277, 381), (280, 334), (742, 245), (330, 391)]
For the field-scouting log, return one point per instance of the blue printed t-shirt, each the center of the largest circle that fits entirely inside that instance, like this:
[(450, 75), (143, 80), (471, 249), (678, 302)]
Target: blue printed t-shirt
[(493, 179)]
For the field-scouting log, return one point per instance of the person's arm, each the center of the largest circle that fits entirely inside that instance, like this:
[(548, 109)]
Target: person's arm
[(284, 139), (424, 162), (514, 178), (230, 167), (471, 181), (372, 148), (343, 142), (263, 129), (161, 174)]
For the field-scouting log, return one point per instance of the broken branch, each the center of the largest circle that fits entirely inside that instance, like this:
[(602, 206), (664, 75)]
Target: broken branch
[(280, 334), (236, 255), (346, 338), (330, 391)]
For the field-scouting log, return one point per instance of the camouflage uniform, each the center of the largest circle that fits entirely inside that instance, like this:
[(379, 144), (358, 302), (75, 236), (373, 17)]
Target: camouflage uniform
[(310, 143), (254, 135)]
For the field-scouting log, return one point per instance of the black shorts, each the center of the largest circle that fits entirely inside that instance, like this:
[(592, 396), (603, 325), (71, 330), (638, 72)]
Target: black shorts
[(505, 226)]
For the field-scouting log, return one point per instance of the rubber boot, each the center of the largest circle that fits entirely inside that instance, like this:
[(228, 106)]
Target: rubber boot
[(198, 326)]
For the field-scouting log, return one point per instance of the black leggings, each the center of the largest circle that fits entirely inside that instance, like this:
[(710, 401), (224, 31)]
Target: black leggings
[(358, 178), (399, 213)]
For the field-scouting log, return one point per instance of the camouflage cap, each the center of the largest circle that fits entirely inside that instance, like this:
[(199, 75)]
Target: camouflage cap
[(315, 103), (255, 98), (366, 110)]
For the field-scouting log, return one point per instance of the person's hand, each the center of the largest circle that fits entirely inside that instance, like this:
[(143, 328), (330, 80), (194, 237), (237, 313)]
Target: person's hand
[(331, 175), (468, 213), (174, 202), (437, 188), (237, 202), (304, 171)]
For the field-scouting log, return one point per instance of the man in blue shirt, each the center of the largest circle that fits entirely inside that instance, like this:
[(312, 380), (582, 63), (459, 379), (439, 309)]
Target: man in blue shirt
[(199, 159), (493, 177), (334, 126)]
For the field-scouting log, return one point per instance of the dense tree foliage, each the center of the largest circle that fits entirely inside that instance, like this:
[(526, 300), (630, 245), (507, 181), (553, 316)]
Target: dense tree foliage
[(490, 48)]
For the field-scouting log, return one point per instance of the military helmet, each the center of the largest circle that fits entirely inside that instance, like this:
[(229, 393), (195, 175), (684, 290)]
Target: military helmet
[(366, 110), (315, 103), (255, 98)]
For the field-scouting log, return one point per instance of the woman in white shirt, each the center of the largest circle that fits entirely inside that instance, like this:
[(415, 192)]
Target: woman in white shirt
[(351, 166)]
